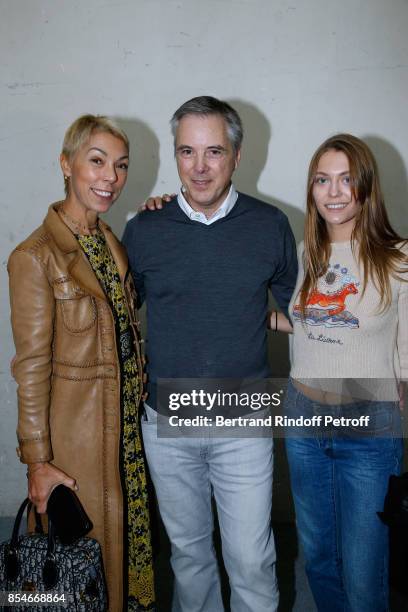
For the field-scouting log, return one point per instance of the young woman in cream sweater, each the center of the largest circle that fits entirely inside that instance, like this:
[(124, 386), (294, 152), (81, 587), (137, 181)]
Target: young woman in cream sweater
[(350, 353)]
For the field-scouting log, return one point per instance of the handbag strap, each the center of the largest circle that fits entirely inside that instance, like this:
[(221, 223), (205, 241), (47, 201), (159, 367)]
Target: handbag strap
[(38, 523), (39, 528), (50, 568), (17, 523)]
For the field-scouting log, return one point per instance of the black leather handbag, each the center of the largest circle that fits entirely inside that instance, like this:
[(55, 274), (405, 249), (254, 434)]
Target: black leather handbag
[(395, 512), (40, 566), (67, 514), (395, 515)]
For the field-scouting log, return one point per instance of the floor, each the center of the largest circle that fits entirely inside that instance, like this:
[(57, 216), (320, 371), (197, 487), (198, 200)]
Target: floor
[(295, 594)]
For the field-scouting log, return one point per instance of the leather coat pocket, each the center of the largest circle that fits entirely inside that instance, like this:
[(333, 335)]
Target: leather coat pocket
[(78, 309)]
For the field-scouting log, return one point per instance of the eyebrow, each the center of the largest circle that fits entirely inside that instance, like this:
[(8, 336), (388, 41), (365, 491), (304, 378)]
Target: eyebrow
[(219, 147), (340, 173), (104, 153)]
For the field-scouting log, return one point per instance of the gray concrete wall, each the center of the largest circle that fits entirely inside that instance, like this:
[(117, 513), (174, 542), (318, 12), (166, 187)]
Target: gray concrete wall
[(297, 71)]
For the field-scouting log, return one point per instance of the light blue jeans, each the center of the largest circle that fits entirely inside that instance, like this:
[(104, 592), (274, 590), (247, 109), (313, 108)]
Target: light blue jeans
[(338, 485), (186, 471)]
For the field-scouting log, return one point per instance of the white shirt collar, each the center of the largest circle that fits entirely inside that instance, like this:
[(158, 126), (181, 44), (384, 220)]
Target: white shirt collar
[(221, 212)]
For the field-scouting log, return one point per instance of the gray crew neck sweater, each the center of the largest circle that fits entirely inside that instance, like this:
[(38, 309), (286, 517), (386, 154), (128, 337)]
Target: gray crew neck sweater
[(206, 288)]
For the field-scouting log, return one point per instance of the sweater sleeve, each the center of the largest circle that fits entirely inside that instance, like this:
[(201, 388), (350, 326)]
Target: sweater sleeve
[(402, 335), (131, 243), (282, 284)]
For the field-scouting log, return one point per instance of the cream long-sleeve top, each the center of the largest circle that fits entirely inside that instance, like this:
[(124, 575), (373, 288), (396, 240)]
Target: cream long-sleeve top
[(346, 341)]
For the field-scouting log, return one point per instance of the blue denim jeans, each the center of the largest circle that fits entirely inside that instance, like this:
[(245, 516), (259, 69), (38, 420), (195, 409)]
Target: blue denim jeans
[(186, 471), (339, 483)]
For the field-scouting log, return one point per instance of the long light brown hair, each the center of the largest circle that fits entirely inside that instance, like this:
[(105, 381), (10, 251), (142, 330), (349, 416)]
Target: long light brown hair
[(375, 243)]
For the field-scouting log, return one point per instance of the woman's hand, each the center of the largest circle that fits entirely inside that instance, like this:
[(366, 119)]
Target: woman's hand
[(278, 322), (156, 202), (42, 479)]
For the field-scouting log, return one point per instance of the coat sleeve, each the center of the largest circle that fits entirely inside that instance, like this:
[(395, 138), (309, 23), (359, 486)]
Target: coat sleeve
[(32, 319)]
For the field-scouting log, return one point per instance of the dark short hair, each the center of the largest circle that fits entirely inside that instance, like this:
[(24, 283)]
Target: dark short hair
[(207, 105)]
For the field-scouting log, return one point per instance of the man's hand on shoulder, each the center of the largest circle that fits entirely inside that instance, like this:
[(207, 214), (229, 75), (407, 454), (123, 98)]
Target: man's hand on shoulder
[(156, 202)]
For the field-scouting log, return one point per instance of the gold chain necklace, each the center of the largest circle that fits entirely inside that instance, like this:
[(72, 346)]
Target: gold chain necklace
[(76, 224)]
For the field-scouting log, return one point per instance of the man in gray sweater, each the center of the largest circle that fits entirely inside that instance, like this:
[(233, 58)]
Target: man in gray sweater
[(204, 264)]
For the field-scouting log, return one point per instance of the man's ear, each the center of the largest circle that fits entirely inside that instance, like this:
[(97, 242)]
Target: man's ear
[(237, 158), (65, 166)]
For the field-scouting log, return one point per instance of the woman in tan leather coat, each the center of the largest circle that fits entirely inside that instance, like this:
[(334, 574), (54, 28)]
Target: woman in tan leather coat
[(78, 362)]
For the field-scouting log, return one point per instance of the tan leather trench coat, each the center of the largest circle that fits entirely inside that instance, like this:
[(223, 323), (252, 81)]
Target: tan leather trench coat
[(68, 374)]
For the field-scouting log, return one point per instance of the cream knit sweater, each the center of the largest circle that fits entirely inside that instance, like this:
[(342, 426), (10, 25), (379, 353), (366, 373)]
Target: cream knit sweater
[(345, 339)]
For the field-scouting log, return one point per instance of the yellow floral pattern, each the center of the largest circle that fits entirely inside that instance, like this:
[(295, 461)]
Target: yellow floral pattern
[(138, 544)]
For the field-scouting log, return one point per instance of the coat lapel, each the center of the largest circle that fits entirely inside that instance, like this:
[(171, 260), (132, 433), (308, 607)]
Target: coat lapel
[(81, 271), (79, 267)]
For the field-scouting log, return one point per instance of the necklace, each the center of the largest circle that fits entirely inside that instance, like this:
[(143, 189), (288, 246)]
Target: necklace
[(76, 224)]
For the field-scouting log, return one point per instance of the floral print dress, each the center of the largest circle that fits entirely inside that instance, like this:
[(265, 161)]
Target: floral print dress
[(137, 544)]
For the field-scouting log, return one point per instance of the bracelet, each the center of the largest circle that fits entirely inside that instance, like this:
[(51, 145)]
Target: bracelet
[(276, 321)]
